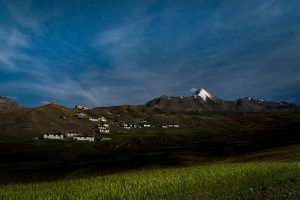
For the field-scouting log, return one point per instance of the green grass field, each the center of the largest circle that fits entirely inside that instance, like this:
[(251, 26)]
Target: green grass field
[(217, 181)]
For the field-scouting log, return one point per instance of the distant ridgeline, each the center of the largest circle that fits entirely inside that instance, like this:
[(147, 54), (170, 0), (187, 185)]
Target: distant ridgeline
[(163, 112), (200, 101), (7, 103), (204, 101)]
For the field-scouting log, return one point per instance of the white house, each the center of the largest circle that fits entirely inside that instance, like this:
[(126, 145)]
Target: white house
[(81, 107), (103, 119), (100, 119), (145, 124), (53, 136), (85, 138), (95, 119), (103, 128), (71, 135), (81, 115), (126, 126)]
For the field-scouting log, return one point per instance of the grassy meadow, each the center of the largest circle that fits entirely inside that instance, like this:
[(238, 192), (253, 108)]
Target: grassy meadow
[(216, 181), (190, 162)]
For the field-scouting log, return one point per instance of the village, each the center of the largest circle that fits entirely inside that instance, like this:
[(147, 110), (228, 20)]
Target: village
[(101, 128)]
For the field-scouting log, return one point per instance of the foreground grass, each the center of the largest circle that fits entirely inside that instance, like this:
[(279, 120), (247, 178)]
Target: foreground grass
[(218, 181)]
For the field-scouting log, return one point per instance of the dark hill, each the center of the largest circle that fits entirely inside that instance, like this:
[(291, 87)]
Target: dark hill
[(31, 122), (200, 110), (211, 130)]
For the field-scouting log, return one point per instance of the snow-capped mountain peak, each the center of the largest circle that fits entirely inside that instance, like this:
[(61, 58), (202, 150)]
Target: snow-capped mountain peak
[(203, 94)]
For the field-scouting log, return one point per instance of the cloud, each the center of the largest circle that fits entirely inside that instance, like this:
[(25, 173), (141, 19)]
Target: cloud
[(220, 52), (12, 50), (68, 92), (39, 77), (24, 15), (17, 39), (232, 50), (27, 16)]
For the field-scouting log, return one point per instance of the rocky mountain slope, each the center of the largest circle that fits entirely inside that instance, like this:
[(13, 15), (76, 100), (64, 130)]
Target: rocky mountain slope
[(204, 101), (7, 103)]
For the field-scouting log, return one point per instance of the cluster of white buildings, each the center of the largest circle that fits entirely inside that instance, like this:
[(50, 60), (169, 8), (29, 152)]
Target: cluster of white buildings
[(128, 126), (85, 138), (95, 119), (54, 136), (82, 107), (102, 128), (80, 137), (100, 119), (142, 124), (145, 124), (171, 126), (74, 136), (80, 115)]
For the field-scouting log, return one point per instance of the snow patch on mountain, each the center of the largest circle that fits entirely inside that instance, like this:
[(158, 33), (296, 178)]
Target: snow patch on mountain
[(203, 94)]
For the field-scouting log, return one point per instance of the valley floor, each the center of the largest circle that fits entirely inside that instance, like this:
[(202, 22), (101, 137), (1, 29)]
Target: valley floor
[(225, 156), (34, 174), (217, 181)]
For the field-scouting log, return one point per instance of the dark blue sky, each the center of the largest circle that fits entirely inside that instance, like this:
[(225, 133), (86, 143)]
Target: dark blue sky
[(128, 52)]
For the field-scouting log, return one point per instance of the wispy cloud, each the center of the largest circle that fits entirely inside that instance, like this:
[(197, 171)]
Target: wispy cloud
[(43, 80), (230, 49), (222, 53), (13, 44), (25, 15)]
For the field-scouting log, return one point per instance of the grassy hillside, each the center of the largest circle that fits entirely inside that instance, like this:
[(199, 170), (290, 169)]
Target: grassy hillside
[(26, 123), (202, 138), (30, 122), (219, 181)]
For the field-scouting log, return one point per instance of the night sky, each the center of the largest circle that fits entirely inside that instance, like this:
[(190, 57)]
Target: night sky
[(129, 52)]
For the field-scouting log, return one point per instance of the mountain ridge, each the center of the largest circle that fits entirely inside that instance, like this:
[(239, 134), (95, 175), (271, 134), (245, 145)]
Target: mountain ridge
[(204, 101), (184, 111), (201, 100)]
